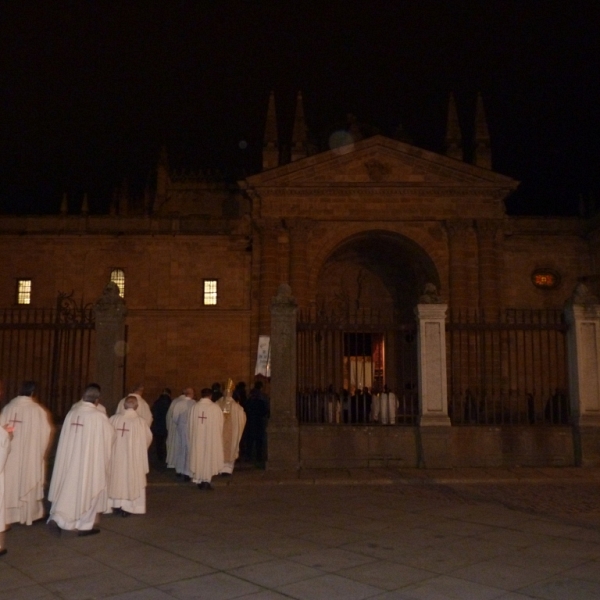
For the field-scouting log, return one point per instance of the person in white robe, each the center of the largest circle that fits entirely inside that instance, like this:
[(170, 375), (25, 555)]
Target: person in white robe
[(172, 435), (143, 408), (129, 461), (78, 488), (99, 406), (234, 421), (205, 427), (25, 470), (179, 421), (5, 436), (388, 406)]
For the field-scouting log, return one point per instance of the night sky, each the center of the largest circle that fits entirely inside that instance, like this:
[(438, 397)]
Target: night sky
[(90, 90)]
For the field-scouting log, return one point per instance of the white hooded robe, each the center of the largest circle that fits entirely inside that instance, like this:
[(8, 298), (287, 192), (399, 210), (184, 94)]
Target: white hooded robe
[(25, 470)]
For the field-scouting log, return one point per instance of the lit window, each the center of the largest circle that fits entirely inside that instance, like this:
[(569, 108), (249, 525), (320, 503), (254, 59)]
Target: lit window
[(210, 292), (118, 276), (24, 291)]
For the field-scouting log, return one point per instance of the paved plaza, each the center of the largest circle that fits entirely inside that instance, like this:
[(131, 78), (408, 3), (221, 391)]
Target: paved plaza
[(385, 534)]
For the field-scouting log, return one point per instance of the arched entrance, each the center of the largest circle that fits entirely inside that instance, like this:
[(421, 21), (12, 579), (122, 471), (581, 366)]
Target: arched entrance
[(360, 331)]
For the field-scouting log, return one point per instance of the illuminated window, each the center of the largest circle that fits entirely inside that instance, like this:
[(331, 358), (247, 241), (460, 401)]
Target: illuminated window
[(24, 291), (210, 292), (118, 276), (545, 279)]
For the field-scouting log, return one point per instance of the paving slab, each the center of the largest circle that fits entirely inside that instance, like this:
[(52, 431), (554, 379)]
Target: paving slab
[(386, 533)]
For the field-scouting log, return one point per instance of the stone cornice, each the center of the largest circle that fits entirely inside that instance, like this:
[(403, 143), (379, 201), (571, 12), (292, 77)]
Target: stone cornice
[(353, 190), (114, 225)]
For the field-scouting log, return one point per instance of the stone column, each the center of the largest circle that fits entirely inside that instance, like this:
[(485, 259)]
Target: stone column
[(283, 431), (269, 269), (461, 263), (299, 232), (110, 312), (582, 313), (434, 423), (489, 273)]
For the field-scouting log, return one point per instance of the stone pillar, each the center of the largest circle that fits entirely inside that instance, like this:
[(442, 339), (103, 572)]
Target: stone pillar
[(269, 269), (434, 424), (460, 234), (110, 312), (582, 313), (489, 273), (283, 431), (299, 232)]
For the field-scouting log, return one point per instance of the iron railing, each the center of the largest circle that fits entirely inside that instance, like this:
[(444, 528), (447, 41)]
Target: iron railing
[(50, 346), (510, 369)]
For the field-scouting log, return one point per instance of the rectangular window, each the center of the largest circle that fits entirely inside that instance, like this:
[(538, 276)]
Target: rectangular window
[(210, 292), (118, 276), (24, 291)]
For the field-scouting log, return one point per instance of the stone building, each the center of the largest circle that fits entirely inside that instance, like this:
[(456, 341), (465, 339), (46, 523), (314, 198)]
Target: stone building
[(358, 233)]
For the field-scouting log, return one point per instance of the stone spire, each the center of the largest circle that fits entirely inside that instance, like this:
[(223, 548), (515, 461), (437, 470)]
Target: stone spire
[(453, 136), (85, 205), (483, 150), (162, 179), (270, 143), (299, 137)]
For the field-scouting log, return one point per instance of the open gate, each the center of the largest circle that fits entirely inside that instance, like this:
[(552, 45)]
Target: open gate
[(342, 362)]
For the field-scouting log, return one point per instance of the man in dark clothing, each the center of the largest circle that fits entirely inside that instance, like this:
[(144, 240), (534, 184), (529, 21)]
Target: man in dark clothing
[(216, 392), (257, 413), (159, 424)]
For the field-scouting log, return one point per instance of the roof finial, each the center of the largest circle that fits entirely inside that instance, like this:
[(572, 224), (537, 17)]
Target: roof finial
[(483, 150), (453, 135), (299, 137), (270, 143), (64, 204), (85, 205)]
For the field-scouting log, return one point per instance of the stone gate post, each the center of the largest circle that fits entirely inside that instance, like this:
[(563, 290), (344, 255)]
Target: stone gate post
[(582, 313), (435, 449), (283, 432), (110, 312)]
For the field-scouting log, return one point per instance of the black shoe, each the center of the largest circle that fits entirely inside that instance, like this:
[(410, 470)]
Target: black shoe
[(187, 478), (124, 513), (208, 486), (88, 532), (3, 551), (54, 529)]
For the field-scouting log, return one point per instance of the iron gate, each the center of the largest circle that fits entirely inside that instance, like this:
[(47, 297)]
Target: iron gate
[(343, 360), (52, 346)]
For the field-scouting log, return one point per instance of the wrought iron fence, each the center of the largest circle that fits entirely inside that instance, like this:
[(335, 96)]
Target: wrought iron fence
[(53, 347), (344, 360), (507, 370)]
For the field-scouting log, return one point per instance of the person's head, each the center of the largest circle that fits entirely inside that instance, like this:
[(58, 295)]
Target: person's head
[(206, 393), (28, 388), (167, 391), (91, 393), (189, 392), (139, 389), (131, 402), (258, 385)]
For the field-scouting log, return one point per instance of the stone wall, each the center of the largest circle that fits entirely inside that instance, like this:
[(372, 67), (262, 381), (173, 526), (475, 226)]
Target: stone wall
[(361, 447)]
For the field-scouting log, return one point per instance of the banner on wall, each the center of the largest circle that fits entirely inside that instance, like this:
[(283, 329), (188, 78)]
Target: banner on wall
[(263, 356)]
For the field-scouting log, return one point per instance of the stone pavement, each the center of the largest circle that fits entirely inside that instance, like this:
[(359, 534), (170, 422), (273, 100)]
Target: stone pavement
[(383, 533)]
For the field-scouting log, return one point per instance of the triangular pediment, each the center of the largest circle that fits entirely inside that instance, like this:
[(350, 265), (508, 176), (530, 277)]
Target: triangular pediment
[(379, 161)]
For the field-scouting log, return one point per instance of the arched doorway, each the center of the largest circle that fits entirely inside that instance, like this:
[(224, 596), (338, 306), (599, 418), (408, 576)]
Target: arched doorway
[(360, 331)]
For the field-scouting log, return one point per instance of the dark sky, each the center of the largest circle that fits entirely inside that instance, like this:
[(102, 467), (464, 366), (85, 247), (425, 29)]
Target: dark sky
[(90, 90)]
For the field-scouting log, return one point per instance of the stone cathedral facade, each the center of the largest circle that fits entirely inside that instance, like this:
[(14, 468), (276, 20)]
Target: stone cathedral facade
[(363, 228)]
